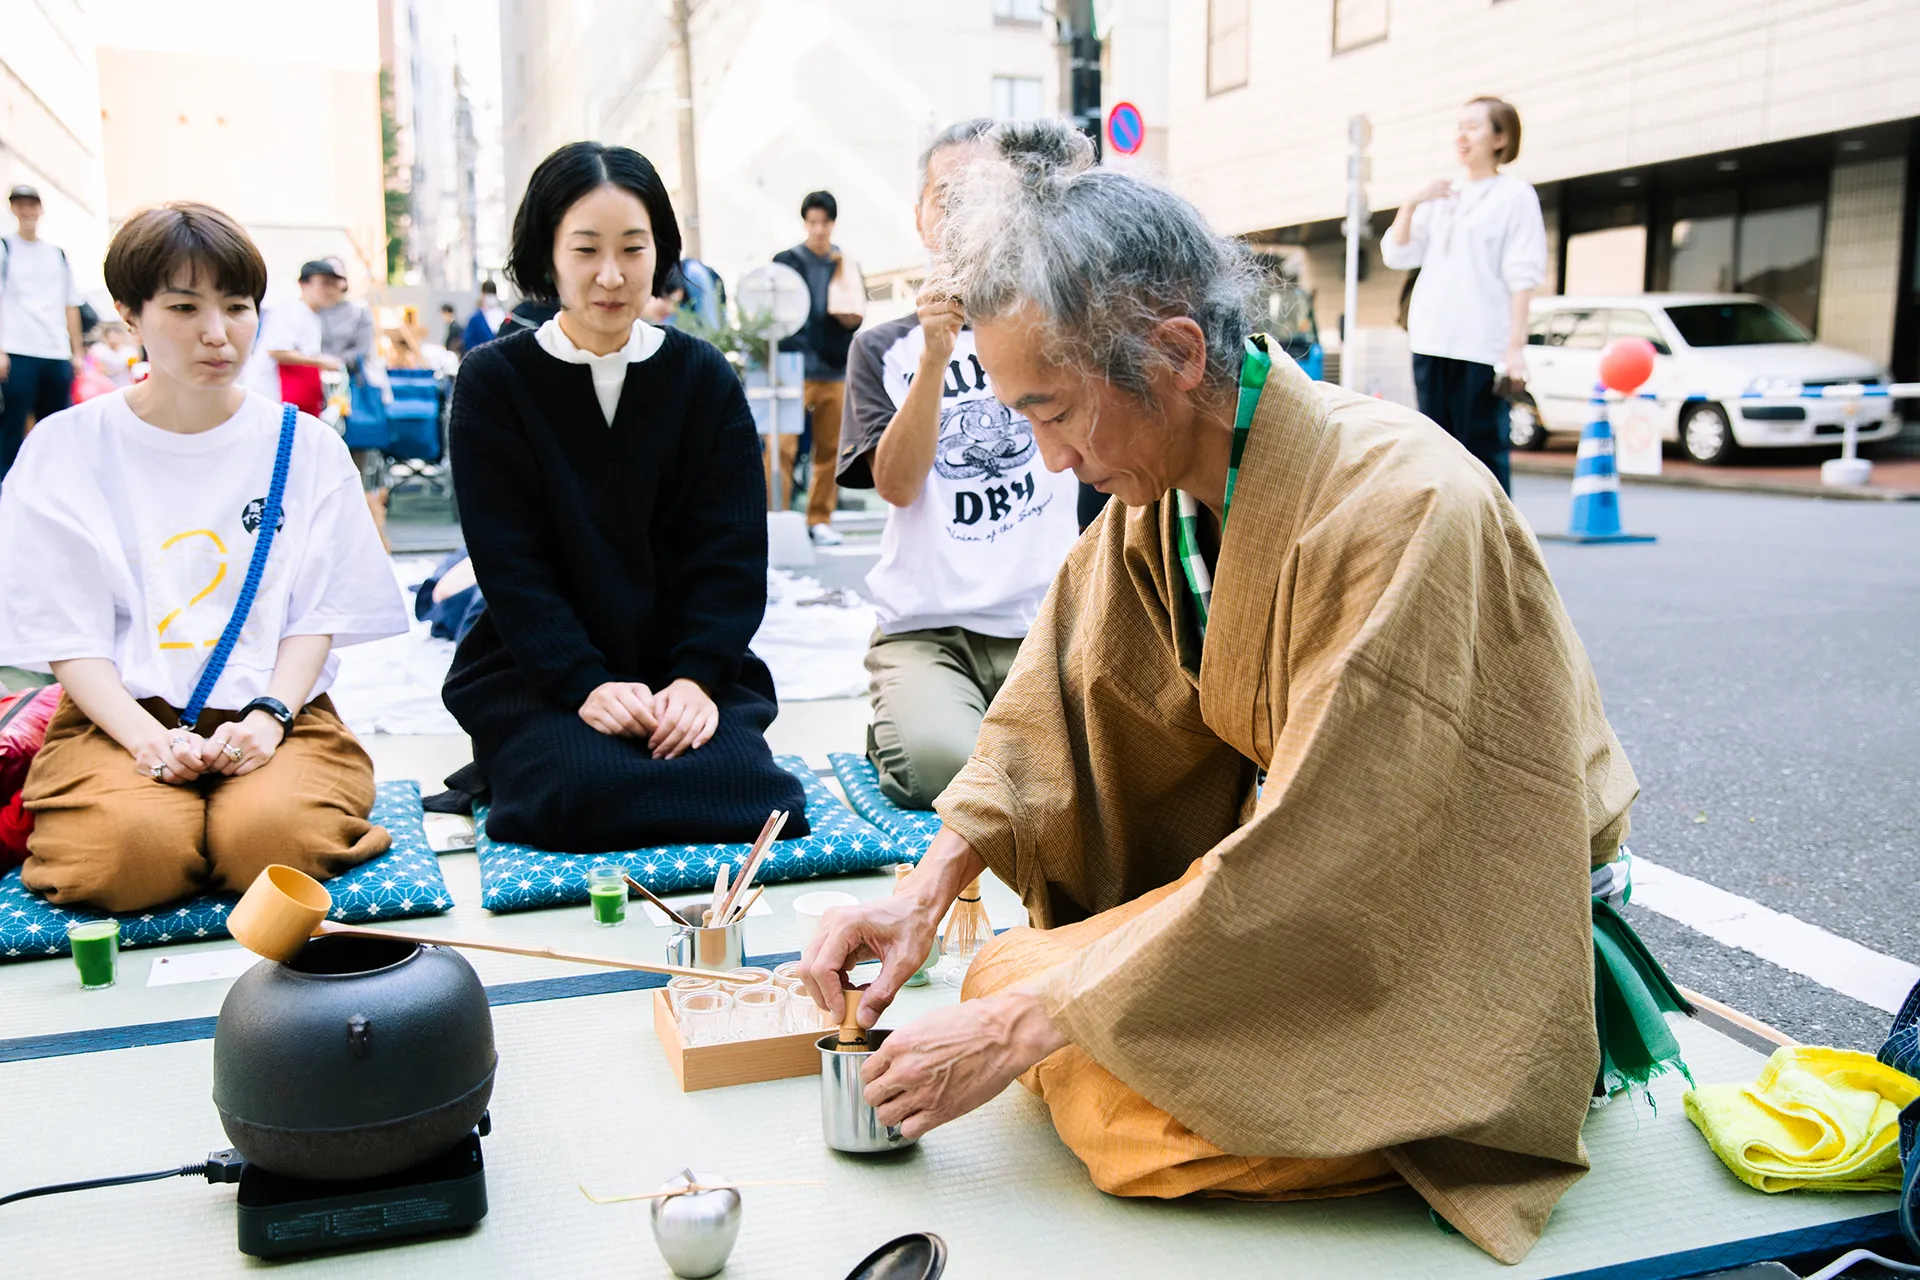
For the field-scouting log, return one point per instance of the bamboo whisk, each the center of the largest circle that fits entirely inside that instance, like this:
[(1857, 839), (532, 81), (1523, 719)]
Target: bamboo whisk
[(967, 924)]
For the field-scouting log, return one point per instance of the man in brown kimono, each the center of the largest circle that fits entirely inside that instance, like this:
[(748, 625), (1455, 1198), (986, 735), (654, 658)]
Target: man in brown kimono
[(1374, 966)]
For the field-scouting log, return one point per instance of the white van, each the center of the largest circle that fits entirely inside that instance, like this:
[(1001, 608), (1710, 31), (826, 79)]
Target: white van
[(1729, 372)]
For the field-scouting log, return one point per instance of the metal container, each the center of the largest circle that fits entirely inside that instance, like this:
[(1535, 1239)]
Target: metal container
[(717, 950), (846, 1119), (358, 1057), (696, 1232)]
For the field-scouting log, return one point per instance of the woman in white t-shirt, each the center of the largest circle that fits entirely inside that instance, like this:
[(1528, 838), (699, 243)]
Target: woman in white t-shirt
[(129, 524), (1481, 247)]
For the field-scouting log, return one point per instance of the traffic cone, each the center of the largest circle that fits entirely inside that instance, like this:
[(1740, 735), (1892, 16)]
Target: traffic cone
[(1596, 485)]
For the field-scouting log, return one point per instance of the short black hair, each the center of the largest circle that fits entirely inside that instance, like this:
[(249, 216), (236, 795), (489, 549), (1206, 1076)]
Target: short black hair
[(822, 200), (557, 184), (488, 286), (153, 244), (447, 307)]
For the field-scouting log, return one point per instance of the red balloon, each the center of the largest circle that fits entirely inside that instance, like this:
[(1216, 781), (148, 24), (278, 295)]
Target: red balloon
[(1626, 364)]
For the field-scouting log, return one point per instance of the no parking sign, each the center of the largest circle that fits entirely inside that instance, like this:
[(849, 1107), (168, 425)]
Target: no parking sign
[(1126, 128)]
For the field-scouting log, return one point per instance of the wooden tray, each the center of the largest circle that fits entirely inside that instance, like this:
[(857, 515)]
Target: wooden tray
[(715, 1066)]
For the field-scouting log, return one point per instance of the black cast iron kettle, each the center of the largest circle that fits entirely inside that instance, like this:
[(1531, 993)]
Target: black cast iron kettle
[(359, 1057)]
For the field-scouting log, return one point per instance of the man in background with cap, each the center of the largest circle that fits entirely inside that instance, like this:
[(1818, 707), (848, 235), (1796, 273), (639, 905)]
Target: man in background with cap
[(289, 352), (346, 334), (40, 347)]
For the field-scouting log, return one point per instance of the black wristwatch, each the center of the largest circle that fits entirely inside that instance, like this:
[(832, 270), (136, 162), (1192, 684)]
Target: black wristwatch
[(273, 707)]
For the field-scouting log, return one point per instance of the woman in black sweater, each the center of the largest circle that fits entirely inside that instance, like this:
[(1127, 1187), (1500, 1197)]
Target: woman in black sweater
[(610, 492)]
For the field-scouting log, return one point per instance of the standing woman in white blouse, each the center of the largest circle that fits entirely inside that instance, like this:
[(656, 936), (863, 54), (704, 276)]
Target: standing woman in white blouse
[(1481, 246)]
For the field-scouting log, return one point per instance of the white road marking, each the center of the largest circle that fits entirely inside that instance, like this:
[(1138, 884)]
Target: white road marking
[(1832, 961)]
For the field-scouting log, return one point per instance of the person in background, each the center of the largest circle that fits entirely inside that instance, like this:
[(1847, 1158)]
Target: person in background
[(40, 348), (346, 334), (1481, 247), (706, 292), (115, 354), (288, 353), (611, 496), (483, 326), (455, 340), (976, 523), (825, 340), (662, 307), (129, 525)]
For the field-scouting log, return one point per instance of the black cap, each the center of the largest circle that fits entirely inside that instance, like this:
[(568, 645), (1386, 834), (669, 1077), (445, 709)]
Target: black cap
[(23, 192), (320, 267)]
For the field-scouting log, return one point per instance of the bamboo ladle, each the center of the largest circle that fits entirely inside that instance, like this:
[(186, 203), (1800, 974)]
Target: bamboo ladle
[(284, 907)]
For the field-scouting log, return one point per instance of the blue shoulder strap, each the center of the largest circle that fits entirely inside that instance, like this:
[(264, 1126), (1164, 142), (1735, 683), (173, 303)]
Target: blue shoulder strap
[(262, 544)]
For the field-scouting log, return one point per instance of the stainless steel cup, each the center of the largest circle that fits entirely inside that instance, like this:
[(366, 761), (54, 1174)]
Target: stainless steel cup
[(716, 949), (846, 1119)]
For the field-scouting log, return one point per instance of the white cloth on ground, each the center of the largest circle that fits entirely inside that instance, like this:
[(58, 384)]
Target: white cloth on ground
[(128, 542)]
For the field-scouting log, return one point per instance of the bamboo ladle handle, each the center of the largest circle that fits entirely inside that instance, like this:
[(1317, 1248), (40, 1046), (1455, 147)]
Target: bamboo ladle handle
[(285, 906), (540, 953), (850, 1029)]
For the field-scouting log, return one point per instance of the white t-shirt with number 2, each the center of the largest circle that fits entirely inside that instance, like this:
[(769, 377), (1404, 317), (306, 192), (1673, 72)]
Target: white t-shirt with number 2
[(128, 542)]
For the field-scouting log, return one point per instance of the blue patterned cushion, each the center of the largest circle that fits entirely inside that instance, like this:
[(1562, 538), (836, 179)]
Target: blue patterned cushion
[(404, 881), (912, 829), (518, 877)]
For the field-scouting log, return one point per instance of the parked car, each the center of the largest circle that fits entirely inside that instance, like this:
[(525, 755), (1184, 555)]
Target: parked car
[(1729, 372)]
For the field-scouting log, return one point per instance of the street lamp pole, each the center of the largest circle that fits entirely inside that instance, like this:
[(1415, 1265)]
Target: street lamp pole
[(689, 168)]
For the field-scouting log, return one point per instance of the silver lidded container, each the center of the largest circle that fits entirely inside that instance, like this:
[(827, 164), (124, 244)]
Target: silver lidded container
[(849, 1123), (696, 1232)]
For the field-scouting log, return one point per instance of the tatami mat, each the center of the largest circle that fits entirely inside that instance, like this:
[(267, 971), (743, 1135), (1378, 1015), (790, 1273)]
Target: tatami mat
[(584, 1095)]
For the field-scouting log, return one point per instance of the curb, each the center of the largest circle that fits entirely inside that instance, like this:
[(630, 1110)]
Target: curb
[(1728, 485)]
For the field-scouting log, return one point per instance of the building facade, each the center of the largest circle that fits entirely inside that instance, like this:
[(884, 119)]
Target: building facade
[(790, 96), (50, 128), (1676, 144), (257, 114)]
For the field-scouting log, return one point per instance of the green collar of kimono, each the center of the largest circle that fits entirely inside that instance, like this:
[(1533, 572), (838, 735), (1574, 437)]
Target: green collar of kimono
[(1254, 367)]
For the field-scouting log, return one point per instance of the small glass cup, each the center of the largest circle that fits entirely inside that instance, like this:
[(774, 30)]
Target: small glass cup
[(607, 890), (706, 1017), (759, 1012), (96, 952), (789, 970), (678, 989), (802, 1013), (760, 977)]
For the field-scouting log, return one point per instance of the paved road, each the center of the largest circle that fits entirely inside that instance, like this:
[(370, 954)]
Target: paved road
[(1761, 664)]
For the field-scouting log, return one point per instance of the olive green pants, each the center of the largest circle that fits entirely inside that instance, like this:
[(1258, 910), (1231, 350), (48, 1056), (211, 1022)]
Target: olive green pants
[(930, 690)]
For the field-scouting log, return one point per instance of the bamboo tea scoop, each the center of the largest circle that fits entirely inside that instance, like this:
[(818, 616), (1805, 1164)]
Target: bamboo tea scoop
[(284, 907)]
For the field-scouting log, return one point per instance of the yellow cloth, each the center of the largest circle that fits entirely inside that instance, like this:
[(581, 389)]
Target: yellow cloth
[(1390, 950), (1818, 1119)]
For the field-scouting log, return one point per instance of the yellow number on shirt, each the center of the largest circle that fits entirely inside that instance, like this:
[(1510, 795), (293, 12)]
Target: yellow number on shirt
[(219, 575)]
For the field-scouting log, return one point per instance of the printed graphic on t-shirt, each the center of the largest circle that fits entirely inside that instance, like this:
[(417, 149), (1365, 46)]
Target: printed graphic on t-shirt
[(986, 454)]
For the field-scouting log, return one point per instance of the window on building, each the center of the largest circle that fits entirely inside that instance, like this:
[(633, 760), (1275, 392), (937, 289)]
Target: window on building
[(1780, 259), (1016, 97), (1226, 45), (1017, 11), (1358, 22), (1764, 237)]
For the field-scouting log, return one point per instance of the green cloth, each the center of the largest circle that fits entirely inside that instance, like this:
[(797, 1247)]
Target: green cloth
[(1632, 996), (1254, 366)]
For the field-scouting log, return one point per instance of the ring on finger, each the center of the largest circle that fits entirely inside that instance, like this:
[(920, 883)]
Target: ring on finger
[(234, 753), (156, 771)]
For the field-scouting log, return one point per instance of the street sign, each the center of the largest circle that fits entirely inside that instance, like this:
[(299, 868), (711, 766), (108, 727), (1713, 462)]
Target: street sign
[(1126, 129)]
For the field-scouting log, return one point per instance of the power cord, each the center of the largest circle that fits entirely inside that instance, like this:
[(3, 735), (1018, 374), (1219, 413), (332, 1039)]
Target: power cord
[(221, 1166), (1846, 1260)]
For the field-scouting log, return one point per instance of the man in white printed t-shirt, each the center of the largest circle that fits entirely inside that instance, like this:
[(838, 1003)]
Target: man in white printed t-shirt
[(976, 527), (40, 349)]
